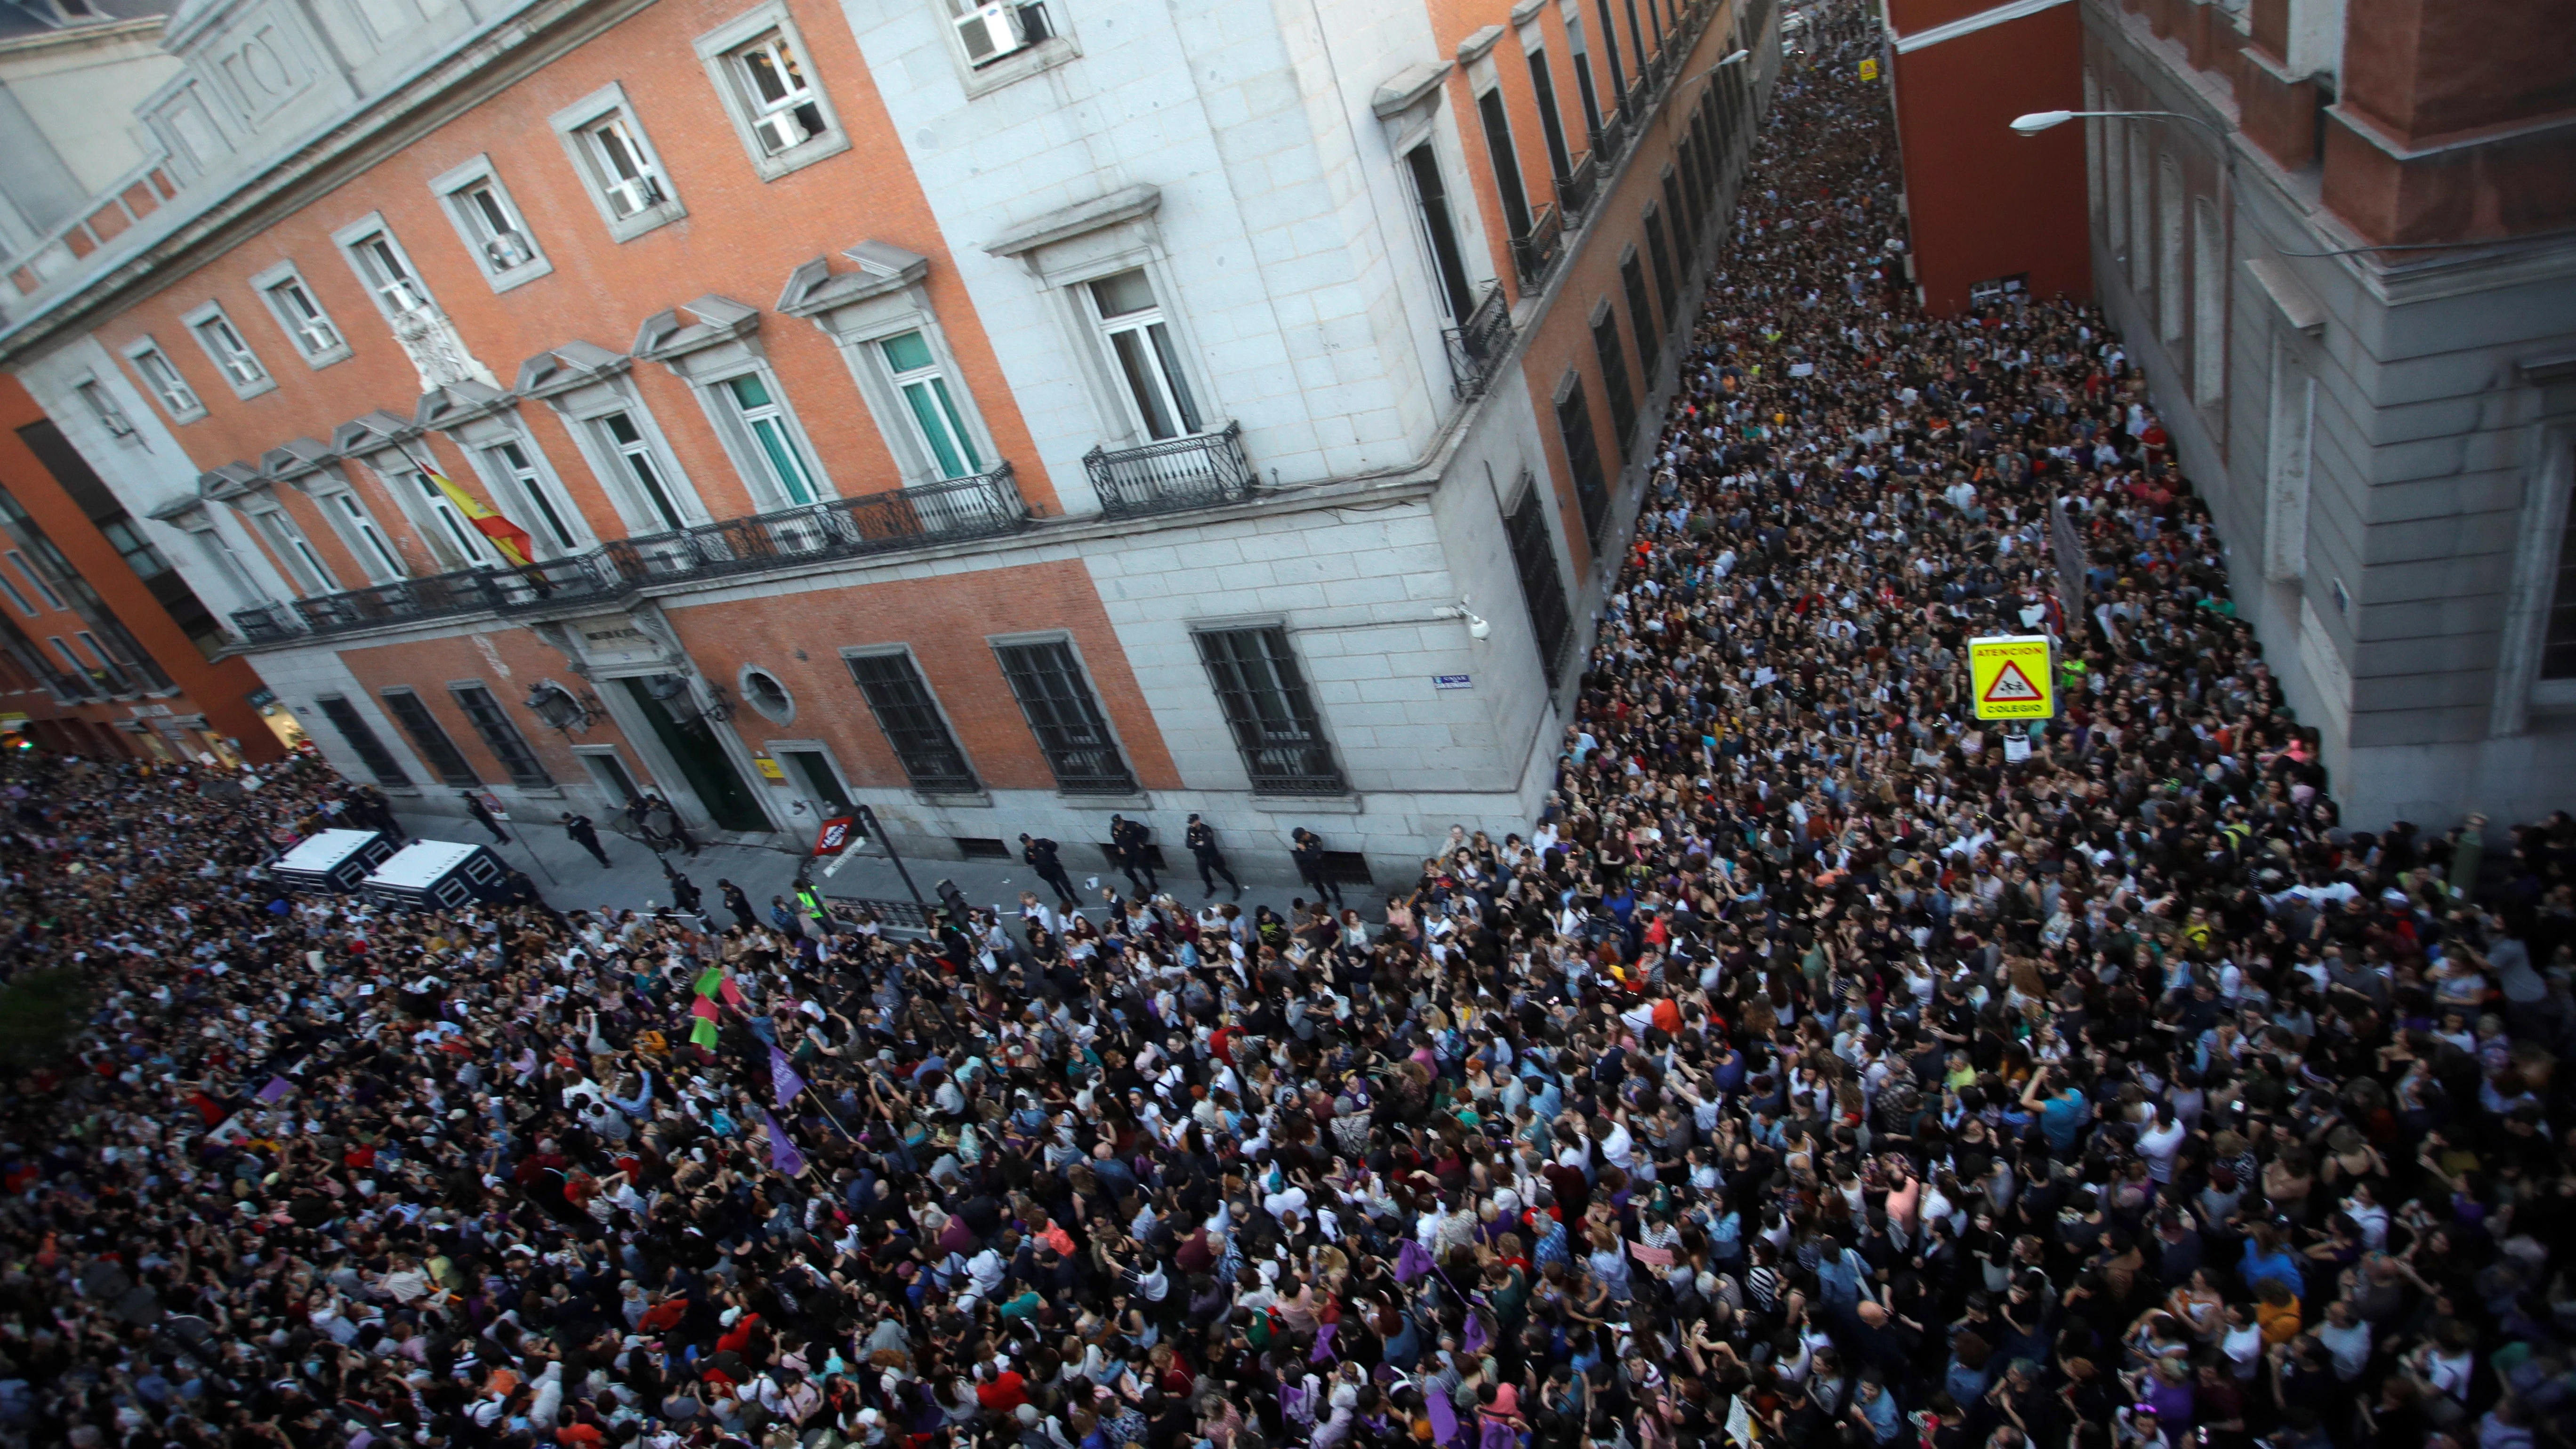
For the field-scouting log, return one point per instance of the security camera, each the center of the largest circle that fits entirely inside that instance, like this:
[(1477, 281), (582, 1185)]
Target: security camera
[(1478, 628)]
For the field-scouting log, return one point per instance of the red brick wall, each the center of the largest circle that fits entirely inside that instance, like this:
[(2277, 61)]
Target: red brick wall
[(946, 621)]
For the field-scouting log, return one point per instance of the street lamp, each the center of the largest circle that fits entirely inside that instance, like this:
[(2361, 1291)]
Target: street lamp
[(1737, 58), (560, 709), (676, 697), (2034, 122)]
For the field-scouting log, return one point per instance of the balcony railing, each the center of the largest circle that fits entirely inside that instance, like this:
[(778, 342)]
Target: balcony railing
[(1535, 254), (1608, 140), (1574, 191), (1198, 471), (975, 507), (1479, 346)]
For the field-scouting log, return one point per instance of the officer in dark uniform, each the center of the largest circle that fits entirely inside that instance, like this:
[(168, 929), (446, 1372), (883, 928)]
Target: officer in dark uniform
[(475, 807), (585, 835), (1041, 855), (1309, 855), (1202, 842), (738, 903), (1129, 837)]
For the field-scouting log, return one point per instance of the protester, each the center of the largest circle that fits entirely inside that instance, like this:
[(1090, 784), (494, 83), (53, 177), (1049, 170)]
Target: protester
[(1822, 1067)]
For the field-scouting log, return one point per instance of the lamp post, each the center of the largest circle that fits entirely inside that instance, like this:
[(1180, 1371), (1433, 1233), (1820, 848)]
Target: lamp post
[(2034, 122)]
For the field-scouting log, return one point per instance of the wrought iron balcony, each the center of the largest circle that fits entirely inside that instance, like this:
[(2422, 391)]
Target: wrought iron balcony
[(1198, 471), (975, 507), (1575, 190), (1535, 255), (1479, 347), (1608, 140)]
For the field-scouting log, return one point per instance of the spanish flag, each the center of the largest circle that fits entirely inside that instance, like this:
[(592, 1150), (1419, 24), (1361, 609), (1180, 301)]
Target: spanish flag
[(508, 537)]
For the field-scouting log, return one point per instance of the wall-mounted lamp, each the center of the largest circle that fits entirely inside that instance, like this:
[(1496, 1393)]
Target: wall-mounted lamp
[(674, 693), (562, 709), (1476, 628)]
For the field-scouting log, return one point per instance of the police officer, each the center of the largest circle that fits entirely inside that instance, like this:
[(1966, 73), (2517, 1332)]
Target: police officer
[(1309, 855), (737, 902), (585, 835), (475, 807), (1202, 842), (1040, 853), (684, 891), (1128, 837)]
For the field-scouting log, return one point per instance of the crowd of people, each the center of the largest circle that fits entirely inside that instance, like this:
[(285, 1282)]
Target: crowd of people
[(1822, 1067)]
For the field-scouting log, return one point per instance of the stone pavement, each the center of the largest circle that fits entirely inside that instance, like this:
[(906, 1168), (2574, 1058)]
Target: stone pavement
[(632, 880)]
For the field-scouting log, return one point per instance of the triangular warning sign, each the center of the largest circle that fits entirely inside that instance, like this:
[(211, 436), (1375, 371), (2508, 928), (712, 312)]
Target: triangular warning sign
[(2011, 686)]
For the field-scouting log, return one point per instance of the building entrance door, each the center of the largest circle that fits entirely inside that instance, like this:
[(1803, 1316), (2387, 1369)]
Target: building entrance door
[(693, 746)]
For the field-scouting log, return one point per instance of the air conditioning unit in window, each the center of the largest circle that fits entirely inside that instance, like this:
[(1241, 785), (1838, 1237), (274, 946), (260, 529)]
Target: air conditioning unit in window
[(508, 250), (991, 32)]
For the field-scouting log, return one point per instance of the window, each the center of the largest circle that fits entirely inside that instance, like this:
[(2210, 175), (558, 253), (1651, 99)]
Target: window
[(301, 561), (162, 379), (430, 737), (1507, 162), (93, 681), (2558, 635), (1614, 374), (500, 736), (1542, 587), (230, 354), (127, 539), (2208, 302), (1583, 84), (11, 589), (370, 751), (936, 422), (453, 533), (1551, 124), (912, 722), (102, 409), (618, 430), (43, 585), (1440, 233), (108, 668), (2141, 209), (1275, 726), (2169, 282), (375, 554), (778, 459), (515, 461), (290, 299), (1671, 289), (488, 221), (388, 273), (990, 31), (1610, 44), (617, 164), (1583, 457), (1140, 348), (1065, 716), (1641, 312)]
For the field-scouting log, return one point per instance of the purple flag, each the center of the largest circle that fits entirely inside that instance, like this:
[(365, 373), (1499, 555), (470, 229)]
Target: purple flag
[(1444, 1415), (1411, 1261), (783, 1081), (782, 1153), (277, 1087), (1323, 1343)]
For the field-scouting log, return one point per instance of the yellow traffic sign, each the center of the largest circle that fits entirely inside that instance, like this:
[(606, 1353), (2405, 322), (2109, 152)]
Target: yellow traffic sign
[(2011, 676), (1869, 69)]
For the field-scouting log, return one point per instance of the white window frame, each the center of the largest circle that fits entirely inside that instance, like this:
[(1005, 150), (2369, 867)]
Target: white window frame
[(486, 240), (366, 540), (530, 492), (722, 51), (171, 388), (44, 585), (743, 431), (318, 339), (305, 566), (586, 412), (981, 77), (574, 125), (95, 400), (230, 351), (1183, 393), (366, 244), (964, 420)]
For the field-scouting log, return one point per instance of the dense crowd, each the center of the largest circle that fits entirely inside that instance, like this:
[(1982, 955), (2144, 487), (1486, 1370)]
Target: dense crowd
[(1823, 1067)]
